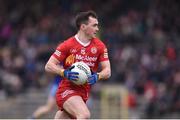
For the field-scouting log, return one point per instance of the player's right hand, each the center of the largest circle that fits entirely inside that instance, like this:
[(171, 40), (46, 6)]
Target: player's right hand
[(69, 75)]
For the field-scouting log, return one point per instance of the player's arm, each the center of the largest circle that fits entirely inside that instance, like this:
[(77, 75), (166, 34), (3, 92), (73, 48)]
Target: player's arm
[(105, 72), (53, 66)]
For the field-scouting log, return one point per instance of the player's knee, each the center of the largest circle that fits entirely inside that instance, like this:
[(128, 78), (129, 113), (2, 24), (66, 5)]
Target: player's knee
[(84, 115)]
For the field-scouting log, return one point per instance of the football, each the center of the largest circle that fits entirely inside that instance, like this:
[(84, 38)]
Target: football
[(84, 72)]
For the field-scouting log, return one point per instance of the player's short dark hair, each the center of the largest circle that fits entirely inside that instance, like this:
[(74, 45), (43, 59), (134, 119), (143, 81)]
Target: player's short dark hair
[(83, 17)]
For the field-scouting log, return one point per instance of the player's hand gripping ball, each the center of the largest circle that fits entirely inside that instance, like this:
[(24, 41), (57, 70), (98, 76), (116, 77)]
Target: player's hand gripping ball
[(72, 76), (93, 78), (84, 72)]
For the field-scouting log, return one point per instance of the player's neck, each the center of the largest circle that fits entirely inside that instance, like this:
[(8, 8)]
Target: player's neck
[(82, 37)]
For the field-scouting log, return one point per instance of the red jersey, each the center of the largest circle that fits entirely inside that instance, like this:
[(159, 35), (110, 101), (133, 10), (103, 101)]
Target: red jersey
[(73, 50)]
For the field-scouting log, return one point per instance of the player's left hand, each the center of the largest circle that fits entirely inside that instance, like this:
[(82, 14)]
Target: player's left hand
[(93, 78)]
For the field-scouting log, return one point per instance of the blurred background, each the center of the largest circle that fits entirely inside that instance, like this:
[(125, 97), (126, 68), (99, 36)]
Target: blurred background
[(143, 39)]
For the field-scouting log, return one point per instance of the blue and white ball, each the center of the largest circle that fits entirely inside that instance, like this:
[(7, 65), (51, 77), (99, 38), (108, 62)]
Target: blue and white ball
[(84, 72)]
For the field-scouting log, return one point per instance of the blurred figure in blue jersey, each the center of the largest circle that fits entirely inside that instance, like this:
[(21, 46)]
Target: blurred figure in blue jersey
[(51, 101)]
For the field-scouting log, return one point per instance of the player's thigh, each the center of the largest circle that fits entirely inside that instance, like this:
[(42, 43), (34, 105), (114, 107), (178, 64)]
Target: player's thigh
[(75, 106)]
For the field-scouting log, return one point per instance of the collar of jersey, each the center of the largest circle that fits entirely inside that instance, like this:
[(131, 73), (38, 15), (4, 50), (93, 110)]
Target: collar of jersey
[(83, 44)]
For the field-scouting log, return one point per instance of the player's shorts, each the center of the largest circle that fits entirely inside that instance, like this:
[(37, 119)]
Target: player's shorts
[(53, 90), (66, 92)]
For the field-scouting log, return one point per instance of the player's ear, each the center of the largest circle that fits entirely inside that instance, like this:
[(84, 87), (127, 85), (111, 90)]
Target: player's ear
[(83, 26)]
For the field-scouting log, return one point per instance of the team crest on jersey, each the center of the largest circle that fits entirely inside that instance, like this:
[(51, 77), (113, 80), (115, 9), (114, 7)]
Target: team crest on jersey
[(94, 50), (70, 59), (83, 51)]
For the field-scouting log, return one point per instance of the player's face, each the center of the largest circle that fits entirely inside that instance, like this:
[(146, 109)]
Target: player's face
[(91, 28)]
